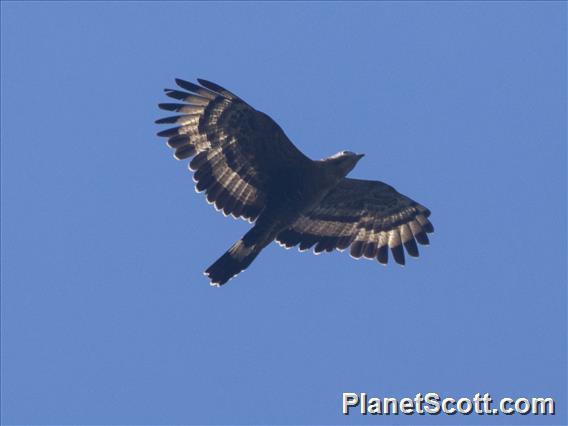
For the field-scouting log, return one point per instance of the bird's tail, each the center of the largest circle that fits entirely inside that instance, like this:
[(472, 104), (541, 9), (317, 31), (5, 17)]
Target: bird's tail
[(237, 258)]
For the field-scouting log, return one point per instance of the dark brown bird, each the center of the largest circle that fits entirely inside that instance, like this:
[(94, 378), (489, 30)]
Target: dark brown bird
[(249, 168)]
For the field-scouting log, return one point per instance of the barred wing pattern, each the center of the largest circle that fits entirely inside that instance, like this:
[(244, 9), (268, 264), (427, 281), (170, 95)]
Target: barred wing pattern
[(234, 147), (368, 216)]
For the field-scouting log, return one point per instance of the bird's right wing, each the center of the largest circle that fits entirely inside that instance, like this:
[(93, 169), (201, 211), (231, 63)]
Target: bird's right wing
[(235, 148), (368, 216)]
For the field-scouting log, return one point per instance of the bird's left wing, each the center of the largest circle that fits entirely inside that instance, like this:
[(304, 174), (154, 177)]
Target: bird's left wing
[(235, 148), (368, 216)]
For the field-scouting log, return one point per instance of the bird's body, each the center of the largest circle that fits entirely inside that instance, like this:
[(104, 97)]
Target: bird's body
[(291, 198), (250, 169)]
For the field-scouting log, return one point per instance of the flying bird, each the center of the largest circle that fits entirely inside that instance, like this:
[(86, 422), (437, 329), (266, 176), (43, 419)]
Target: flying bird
[(248, 168)]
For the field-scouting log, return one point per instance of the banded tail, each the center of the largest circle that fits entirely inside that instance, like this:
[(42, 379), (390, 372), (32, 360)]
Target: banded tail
[(238, 257)]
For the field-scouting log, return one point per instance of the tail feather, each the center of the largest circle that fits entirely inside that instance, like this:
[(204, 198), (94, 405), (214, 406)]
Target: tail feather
[(234, 261)]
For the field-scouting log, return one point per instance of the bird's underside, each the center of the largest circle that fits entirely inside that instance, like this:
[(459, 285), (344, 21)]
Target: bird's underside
[(249, 169)]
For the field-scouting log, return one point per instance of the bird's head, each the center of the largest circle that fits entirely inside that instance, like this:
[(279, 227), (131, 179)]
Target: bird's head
[(344, 161)]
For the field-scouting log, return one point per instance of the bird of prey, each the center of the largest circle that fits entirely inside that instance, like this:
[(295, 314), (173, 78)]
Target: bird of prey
[(248, 168)]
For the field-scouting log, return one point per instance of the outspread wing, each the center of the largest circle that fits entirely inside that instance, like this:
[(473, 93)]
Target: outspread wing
[(368, 216), (235, 148)]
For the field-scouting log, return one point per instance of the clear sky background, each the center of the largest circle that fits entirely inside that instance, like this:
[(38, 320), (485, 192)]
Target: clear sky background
[(106, 316)]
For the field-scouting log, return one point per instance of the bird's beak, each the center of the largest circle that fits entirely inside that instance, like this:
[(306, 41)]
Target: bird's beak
[(359, 156)]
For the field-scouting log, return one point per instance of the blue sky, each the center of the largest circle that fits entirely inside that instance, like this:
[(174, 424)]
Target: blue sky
[(106, 316)]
